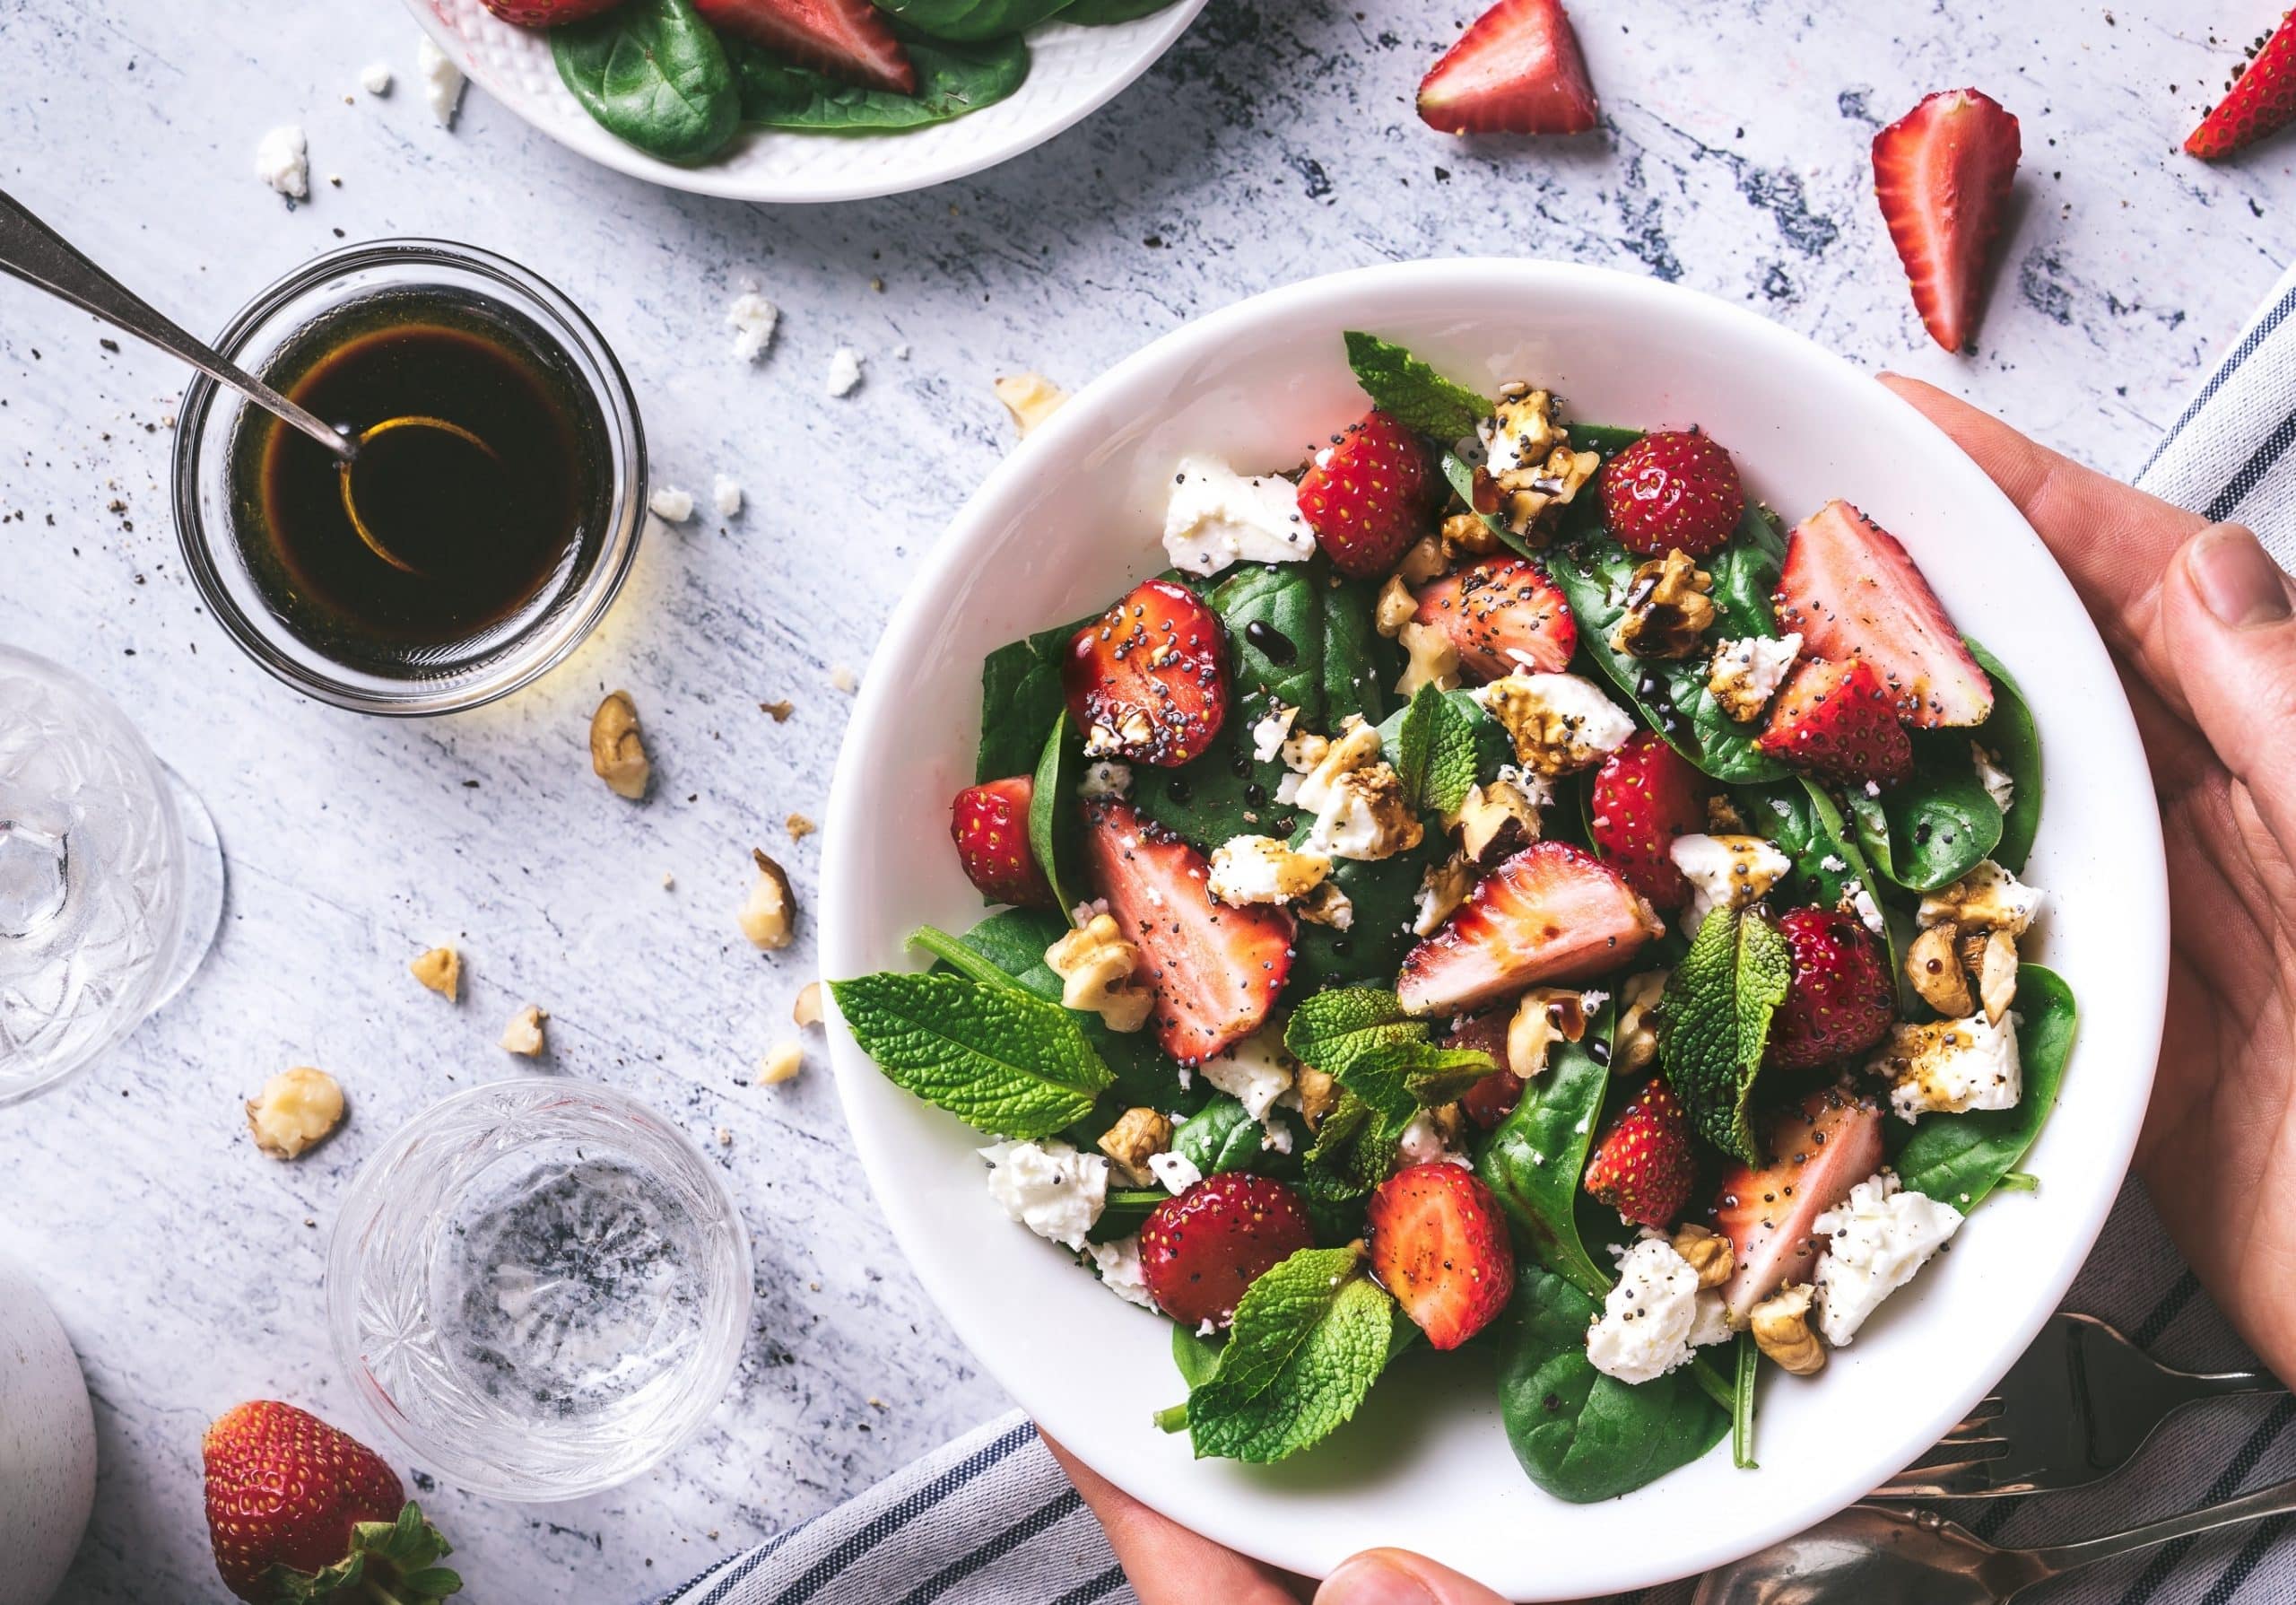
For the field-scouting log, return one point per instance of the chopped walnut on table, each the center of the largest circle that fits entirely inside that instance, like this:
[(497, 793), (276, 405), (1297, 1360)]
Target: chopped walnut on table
[(618, 749), (1095, 966), (807, 1009), (769, 917), (524, 1035), (441, 970), (782, 1064), (1138, 1135), (1781, 1324), (1669, 608), (1030, 398), (294, 1111)]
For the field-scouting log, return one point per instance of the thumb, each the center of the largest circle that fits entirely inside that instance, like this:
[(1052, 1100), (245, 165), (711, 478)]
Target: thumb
[(1398, 1577), (2225, 607)]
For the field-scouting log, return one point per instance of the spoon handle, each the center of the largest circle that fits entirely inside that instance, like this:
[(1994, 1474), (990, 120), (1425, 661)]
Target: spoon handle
[(37, 254), (2279, 1499)]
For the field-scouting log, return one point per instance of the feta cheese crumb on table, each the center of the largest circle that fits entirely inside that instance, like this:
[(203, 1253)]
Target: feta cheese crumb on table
[(844, 371), (442, 81), (283, 160), (1048, 1187), (375, 77), (1881, 1234), (670, 504), (843, 678), (752, 318), (726, 496), (1217, 516)]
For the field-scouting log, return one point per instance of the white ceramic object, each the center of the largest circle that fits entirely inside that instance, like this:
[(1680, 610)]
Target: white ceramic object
[(48, 1445), (1073, 71), (1071, 519)]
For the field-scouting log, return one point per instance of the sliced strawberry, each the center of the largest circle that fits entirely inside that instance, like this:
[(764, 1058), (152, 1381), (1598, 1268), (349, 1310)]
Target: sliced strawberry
[(1645, 1162), (1834, 719), (1492, 1098), (1215, 970), (2261, 99), (1941, 173), (546, 13), (1368, 495), (846, 39), (1505, 616), (1840, 1001), (1148, 679), (990, 825), (1852, 591), (1552, 912), (1198, 1251), (1818, 1151), (1644, 796), (1516, 70), (1674, 488), (1439, 1243)]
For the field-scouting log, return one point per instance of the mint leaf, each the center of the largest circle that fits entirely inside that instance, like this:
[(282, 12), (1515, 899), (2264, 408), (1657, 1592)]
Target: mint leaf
[(1411, 392), (1353, 1152), (1310, 1337), (1437, 754), (1360, 1037), (1714, 1023), (1000, 1060)]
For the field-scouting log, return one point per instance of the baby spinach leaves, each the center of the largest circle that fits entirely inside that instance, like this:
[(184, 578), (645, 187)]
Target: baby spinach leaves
[(1000, 1060), (970, 19), (652, 73), (1101, 14), (1534, 1158), (1412, 392), (1315, 647), (1959, 1158), (1715, 1021), (2015, 744), (1056, 822), (1020, 698), (953, 78), (1934, 828), (1361, 1038), (1222, 1136)]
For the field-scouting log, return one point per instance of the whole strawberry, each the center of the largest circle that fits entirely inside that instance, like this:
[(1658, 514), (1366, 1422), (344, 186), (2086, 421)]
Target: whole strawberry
[(2261, 101), (1644, 796), (1644, 1165), (1674, 488), (546, 13), (1198, 1251), (1368, 495), (990, 826), (1840, 1001), (299, 1512)]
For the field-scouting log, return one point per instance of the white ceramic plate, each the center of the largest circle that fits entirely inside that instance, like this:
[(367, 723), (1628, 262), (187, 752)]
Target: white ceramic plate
[(1073, 71), (1071, 520)]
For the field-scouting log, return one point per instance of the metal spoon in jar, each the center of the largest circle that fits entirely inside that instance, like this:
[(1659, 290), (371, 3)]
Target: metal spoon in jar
[(37, 254)]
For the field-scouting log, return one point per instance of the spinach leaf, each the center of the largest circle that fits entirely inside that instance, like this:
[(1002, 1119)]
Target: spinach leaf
[(1101, 13), (1745, 576), (653, 73), (1224, 791), (1830, 867), (1361, 1038), (2010, 735), (1412, 393), (1742, 1404), (1535, 1157), (1581, 1435), (1056, 822), (1383, 892), (999, 1059), (1932, 829), (1020, 698), (1714, 1022), (970, 19), (953, 78), (1959, 1158), (1318, 648), (1435, 752), (1222, 1135), (1197, 1357), (1124, 1212)]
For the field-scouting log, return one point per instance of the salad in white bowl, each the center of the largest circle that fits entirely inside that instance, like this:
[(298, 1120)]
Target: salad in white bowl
[(1497, 887)]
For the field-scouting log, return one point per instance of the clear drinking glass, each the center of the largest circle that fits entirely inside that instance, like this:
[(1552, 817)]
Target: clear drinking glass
[(111, 882), (540, 1287)]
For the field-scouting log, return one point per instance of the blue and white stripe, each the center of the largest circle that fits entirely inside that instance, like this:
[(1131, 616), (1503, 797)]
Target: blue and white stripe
[(991, 1520)]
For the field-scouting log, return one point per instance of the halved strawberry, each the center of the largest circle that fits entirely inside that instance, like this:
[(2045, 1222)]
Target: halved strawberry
[(1368, 495), (546, 13), (1198, 1251), (1941, 173), (1644, 796), (1505, 615), (1552, 912), (1215, 970), (1853, 591), (1148, 679), (990, 825), (2261, 99), (1516, 70), (1840, 1001), (1492, 1097), (1439, 1243), (1645, 1162), (1672, 488), (846, 39), (1834, 719), (1818, 1151)]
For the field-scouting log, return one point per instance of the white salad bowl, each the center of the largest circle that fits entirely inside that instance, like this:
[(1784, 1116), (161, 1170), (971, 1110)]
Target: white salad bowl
[(1073, 519)]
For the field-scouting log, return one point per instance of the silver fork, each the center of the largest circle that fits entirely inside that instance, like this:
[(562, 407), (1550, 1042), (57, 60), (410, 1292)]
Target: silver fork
[(2073, 1409)]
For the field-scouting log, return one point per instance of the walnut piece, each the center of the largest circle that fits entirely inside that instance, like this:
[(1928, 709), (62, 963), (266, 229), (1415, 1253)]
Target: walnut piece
[(295, 1110), (1030, 398), (1636, 1047), (1668, 608), (1544, 1017), (1434, 658), (1997, 974), (1441, 889), (440, 970), (1095, 966), (617, 749), (1137, 1135), (1496, 820), (1708, 1252), (770, 916), (1326, 905), (1421, 563), (1781, 1328), (1468, 533), (1396, 608), (523, 1034), (1318, 1094), (782, 1064), (807, 1009), (1933, 966)]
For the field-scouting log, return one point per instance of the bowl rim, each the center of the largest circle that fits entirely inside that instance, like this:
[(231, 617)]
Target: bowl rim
[(2141, 880)]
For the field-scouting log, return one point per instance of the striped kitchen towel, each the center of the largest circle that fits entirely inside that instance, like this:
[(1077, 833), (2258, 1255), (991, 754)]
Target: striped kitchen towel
[(990, 1519)]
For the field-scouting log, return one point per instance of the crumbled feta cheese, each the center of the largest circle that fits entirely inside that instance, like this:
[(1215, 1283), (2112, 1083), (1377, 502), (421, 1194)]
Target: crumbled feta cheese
[(1048, 1187), (1653, 1316), (1217, 516), (1422, 1143), (1988, 898), (1175, 1171), (1881, 1236), (844, 371), (1725, 872), (726, 496), (442, 81), (1949, 1067), (1273, 729), (1558, 723), (283, 160), (1862, 904), (1364, 815), (375, 77), (1274, 1136), (1326, 762), (1287, 790), (1120, 1273), (1247, 870), (1746, 673), (670, 504), (1255, 1072), (752, 318), (1105, 778), (1996, 780), (1833, 863)]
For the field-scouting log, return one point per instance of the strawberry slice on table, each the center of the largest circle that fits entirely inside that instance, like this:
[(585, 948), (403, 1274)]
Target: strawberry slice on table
[(1492, 1097), (1516, 70), (1439, 1243), (1853, 591), (1834, 719), (1552, 912), (1644, 1164), (285, 1490), (1645, 795), (1505, 615), (2260, 100), (546, 13), (1215, 970), (1941, 173), (1368, 495), (1199, 1251), (1839, 1001), (990, 825), (1148, 679), (1819, 1149), (846, 39), (1672, 488)]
